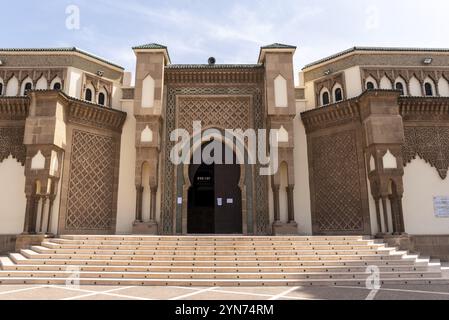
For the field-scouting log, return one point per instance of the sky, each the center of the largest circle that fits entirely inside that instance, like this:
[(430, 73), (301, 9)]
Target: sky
[(232, 31)]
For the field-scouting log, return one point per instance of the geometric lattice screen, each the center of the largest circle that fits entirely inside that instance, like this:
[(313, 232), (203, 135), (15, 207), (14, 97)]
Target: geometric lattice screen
[(338, 204), (91, 185)]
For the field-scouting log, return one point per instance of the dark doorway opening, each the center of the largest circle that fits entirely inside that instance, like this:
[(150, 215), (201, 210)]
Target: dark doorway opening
[(215, 198)]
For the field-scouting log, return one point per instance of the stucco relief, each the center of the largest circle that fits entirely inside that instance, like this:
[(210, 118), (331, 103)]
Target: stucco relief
[(11, 143), (429, 143)]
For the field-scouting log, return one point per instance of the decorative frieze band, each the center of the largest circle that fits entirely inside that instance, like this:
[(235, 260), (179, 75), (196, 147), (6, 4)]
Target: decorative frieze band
[(191, 76), (332, 115), (14, 108)]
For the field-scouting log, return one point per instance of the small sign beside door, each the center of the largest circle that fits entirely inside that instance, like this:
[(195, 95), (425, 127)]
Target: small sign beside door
[(219, 202), (441, 205)]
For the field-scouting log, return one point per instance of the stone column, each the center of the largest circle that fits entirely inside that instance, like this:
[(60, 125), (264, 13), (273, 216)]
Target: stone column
[(385, 213), (30, 207), (50, 212), (153, 204), (400, 215), (378, 216), (41, 223), (139, 193), (277, 216), (290, 203)]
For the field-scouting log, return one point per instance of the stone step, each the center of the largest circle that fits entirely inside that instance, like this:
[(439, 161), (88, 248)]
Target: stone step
[(51, 245), (44, 250), (217, 283), (211, 238), (214, 261), (20, 259), (183, 243), (241, 269), (212, 276), (34, 255)]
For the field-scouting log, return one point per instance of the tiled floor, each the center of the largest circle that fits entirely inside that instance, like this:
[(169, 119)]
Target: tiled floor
[(28, 292)]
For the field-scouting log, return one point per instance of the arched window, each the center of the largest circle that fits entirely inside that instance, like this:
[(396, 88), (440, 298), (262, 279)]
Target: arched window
[(57, 86), (101, 99), (370, 85), (400, 87), (88, 95), (325, 98), (1, 89), (28, 86), (338, 95), (428, 89)]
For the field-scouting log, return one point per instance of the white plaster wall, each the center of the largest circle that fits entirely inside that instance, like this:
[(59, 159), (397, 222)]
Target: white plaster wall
[(309, 92), (443, 87), (116, 96), (302, 192), (12, 88), (422, 183), (385, 83), (280, 92), (353, 82), (12, 197), (42, 84), (74, 82), (126, 207), (148, 92), (415, 87)]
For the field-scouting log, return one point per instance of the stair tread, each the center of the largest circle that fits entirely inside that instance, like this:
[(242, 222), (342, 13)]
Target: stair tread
[(229, 260)]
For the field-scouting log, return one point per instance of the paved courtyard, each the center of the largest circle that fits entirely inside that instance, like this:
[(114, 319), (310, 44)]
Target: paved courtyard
[(29, 292)]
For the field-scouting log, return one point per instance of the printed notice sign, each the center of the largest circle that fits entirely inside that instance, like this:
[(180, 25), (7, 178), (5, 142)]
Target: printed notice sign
[(441, 205), (220, 202)]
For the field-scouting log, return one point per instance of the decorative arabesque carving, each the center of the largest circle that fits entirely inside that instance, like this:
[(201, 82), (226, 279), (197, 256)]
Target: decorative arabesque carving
[(223, 112), (260, 182), (11, 143), (337, 184), (429, 143), (91, 185)]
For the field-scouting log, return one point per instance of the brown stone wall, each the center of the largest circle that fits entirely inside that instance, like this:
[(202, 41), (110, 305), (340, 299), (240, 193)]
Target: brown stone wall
[(90, 182), (338, 181), (7, 243)]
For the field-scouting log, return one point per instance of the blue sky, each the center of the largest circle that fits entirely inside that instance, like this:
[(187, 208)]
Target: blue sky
[(232, 31)]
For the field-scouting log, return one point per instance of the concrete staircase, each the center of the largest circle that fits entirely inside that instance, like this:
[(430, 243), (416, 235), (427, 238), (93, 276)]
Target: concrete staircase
[(215, 261)]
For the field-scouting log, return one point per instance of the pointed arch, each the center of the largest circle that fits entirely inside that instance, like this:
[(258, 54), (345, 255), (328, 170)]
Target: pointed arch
[(325, 97), (12, 88), (429, 87), (27, 84), (42, 83), (371, 83), (401, 84), (56, 83), (280, 92), (415, 87), (385, 83), (148, 88)]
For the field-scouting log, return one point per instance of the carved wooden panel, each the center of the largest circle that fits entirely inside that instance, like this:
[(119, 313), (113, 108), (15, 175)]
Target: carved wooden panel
[(337, 190), (429, 143), (91, 184), (11, 143)]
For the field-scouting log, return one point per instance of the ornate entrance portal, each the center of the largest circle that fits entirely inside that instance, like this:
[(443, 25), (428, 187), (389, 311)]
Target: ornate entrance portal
[(215, 198)]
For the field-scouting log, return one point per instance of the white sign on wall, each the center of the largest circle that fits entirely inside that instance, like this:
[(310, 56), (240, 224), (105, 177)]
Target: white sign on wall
[(441, 205)]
